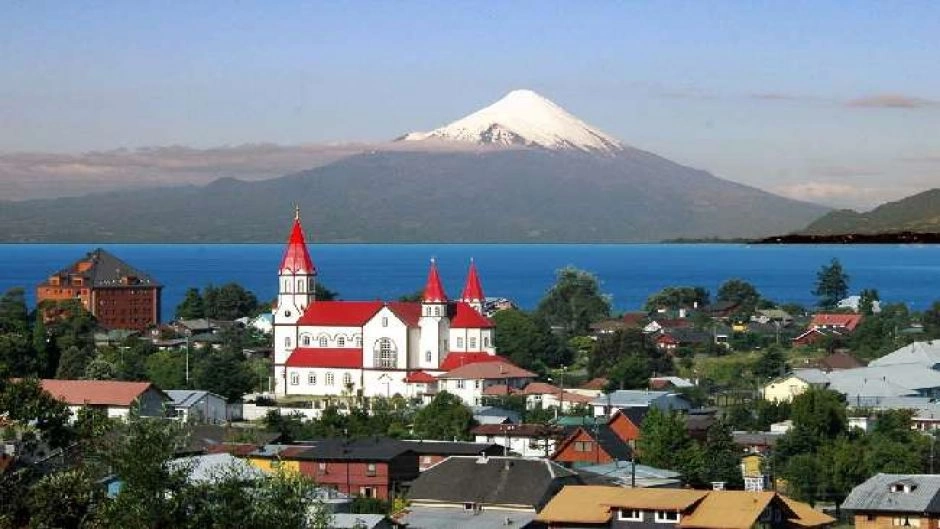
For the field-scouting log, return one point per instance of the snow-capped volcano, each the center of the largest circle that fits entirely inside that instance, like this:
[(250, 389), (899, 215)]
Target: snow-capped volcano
[(523, 117)]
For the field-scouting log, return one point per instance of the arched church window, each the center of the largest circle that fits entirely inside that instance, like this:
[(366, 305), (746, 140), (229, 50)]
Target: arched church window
[(472, 344), (386, 354), (286, 286), (312, 379), (329, 379), (347, 379), (306, 340), (358, 341), (323, 341), (300, 285), (294, 379), (437, 311), (340, 341)]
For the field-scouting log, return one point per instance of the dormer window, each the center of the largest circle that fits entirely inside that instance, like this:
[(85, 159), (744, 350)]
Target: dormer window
[(904, 488)]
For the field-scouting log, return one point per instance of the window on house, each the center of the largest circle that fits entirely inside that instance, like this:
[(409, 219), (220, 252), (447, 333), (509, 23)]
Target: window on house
[(367, 492), (460, 384), (358, 341), (347, 379), (321, 467), (312, 379), (486, 341), (473, 343), (459, 343), (427, 356), (306, 340), (906, 521), (437, 311), (425, 460), (324, 341), (386, 354), (667, 517), (340, 341), (583, 446), (370, 469), (630, 515), (329, 379), (476, 384), (294, 379), (300, 286)]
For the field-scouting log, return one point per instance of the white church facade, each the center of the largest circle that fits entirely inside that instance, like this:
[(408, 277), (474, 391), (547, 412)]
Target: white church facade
[(372, 348)]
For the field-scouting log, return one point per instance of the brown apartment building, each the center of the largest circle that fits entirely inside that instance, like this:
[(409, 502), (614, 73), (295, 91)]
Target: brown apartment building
[(117, 294)]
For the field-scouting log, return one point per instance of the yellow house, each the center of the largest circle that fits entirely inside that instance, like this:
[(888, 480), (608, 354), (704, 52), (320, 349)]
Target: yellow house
[(272, 457), (786, 388)]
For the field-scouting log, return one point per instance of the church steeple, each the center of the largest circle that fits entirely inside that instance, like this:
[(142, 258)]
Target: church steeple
[(296, 276), (296, 257), (473, 290), (433, 289)]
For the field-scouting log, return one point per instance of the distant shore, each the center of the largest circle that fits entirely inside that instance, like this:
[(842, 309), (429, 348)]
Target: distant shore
[(904, 237)]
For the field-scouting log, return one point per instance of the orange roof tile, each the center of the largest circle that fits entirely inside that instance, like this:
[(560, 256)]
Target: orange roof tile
[(488, 370), (96, 392)]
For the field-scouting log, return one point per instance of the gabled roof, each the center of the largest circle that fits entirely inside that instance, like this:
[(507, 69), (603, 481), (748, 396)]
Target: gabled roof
[(370, 449), (504, 481), (456, 359), (296, 257), (433, 289), (876, 494), (325, 357), (598, 383), (924, 353), (542, 388), (465, 317), (492, 370), (473, 290), (603, 435), (515, 430), (97, 392), (451, 448), (407, 311), (339, 313), (731, 509), (184, 398), (848, 321)]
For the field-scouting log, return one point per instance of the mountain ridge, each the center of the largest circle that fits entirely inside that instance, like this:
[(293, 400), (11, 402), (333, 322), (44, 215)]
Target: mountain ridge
[(918, 213)]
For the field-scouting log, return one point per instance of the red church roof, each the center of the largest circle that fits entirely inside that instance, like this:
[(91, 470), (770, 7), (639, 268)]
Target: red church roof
[(340, 313), (455, 360), (473, 290), (296, 258), (466, 317), (434, 290), (409, 312), (326, 357)]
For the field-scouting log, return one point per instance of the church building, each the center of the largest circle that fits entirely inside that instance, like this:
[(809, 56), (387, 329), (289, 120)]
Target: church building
[(372, 348)]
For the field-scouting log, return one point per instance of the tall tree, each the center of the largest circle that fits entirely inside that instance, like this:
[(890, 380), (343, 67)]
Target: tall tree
[(446, 418), (627, 358), (771, 364), (574, 301), (73, 363), (867, 299), (722, 457), (832, 284), (192, 306), (14, 316), (664, 440), (528, 341), (740, 292), (229, 302)]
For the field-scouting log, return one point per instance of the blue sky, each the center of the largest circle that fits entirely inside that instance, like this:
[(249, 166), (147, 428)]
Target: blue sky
[(830, 101)]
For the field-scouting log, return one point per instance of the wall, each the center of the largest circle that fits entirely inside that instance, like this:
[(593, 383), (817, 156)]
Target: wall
[(784, 390), (349, 476), (595, 455), (131, 307)]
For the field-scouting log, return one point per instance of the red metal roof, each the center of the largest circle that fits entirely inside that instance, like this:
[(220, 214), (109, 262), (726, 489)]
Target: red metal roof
[(473, 290), (433, 289), (325, 357), (340, 313), (296, 258), (95, 392), (408, 312), (466, 317), (849, 321), (419, 377), (455, 360)]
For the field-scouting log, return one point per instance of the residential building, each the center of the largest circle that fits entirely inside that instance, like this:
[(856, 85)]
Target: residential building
[(495, 415), (629, 474), (666, 383), (212, 468), (526, 440), (586, 446), (471, 382), (605, 405), (550, 396), (592, 388), (431, 453), (841, 322), (115, 398), (618, 507), (835, 361), (926, 354), (118, 295), (370, 348), (483, 492), (784, 389), (896, 500), (198, 406)]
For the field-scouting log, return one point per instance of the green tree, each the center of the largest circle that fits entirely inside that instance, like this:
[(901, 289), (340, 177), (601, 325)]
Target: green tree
[(675, 298), (99, 369), (446, 418), (14, 316), (740, 292), (867, 299), (47, 359), (574, 301), (528, 341), (229, 302), (627, 358), (832, 284), (64, 500), (224, 372), (663, 440), (770, 364), (17, 358), (821, 412), (73, 363), (192, 306), (322, 293), (722, 457), (804, 474), (25, 401)]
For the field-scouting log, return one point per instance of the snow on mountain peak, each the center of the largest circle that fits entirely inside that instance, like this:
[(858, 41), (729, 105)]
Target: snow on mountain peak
[(524, 118)]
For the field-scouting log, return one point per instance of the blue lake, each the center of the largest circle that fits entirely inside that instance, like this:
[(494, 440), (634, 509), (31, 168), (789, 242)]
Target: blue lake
[(629, 272)]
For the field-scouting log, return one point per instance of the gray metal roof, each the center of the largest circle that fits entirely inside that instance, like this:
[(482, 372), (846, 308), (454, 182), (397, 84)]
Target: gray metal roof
[(184, 398), (108, 271), (356, 521), (876, 494), (914, 377), (214, 467), (811, 375), (629, 397), (449, 518), (926, 354)]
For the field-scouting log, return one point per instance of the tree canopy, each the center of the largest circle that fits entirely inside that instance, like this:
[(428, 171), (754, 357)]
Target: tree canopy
[(740, 292), (574, 301), (832, 284), (528, 341), (675, 298), (446, 418)]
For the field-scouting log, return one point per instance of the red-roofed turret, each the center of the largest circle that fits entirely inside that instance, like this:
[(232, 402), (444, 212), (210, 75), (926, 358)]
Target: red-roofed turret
[(296, 257), (473, 290), (433, 289)]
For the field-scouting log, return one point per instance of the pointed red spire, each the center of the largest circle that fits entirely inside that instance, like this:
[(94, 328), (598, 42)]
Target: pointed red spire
[(473, 290), (296, 258), (433, 290)]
